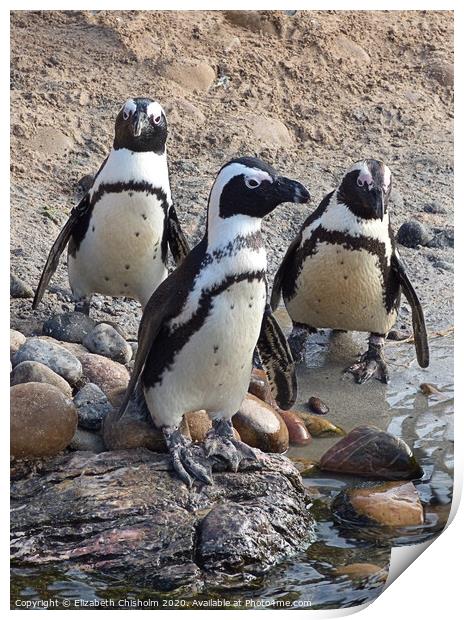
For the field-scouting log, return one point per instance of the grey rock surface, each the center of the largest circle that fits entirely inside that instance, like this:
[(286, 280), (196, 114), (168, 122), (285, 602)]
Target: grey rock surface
[(92, 406), (124, 513), (52, 355), (69, 326), (105, 340)]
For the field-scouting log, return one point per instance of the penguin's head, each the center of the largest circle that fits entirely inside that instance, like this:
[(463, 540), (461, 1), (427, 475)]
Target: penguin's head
[(250, 187), (141, 126), (365, 189)]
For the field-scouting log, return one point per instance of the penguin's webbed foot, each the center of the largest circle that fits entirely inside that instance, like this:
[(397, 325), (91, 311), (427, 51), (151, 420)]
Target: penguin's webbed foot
[(297, 340), (220, 441), (188, 459), (372, 363)]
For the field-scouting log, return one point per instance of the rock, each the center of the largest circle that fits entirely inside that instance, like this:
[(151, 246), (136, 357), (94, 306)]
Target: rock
[(260, 426), (107, 374), (412, 234), (92, 406), (428, 389), (134, 345), (269, 131), (346, 49), (105, 340), (433, 207), (441, 71), (184, 107), (198, 424), (442, 264), (442, 238), (297, 432), (35, 372), (193, 76), (85, 183), (87, 441), (259, 386), (42, 420), (317, 406), (317, 426), (70, 327), (52, 355), (17, 339), (134, 430), (391, 504), (359, 570), (368, 451), (50, 141), (19, 289), (125, 514), (398, 335), (257, 21)]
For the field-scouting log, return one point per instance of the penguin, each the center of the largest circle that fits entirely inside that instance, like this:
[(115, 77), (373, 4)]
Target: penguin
[(199, 330), (118, 234), (343, 271)]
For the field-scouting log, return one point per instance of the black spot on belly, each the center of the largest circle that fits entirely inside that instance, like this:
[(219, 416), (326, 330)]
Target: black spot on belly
[(93, 228), (232, 307), (107, 279), (131, 194), (345, 277), (216, 348), (144, 216), (250, 305), (127, 266), (125, 285), (216, 363), (137, 234)]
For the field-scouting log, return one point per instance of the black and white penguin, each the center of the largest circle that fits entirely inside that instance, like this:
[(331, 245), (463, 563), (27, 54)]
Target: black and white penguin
[(120, 231), (201, 326), (343, 271)]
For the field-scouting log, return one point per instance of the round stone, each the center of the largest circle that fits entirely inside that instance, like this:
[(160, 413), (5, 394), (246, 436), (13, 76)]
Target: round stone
[(52, 355), (413, 234), (42, 421), (260, 426), (105, 340), (35, 372), (17, 339), (92, 406), (70, 326)]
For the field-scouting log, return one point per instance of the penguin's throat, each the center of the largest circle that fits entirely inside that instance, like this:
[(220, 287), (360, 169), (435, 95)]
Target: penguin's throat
[(223, 231)]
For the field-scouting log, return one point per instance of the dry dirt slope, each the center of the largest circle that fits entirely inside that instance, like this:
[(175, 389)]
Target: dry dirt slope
[(310, 93)]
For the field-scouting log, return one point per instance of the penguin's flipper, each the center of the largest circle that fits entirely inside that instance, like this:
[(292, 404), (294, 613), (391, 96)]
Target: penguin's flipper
[(177, 242), (282, 271), (418, 321), (277, 361), (58, 248)]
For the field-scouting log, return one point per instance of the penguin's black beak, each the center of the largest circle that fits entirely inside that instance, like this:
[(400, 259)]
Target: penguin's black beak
[(291, 191), (378, 203), (137, 122)]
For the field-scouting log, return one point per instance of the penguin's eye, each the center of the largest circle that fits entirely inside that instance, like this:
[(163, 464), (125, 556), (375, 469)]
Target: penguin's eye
[(252, 183), (156, 120), (360, 182)]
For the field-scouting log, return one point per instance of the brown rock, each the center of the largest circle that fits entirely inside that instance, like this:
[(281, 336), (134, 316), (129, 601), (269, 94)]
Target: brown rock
[(193, 76), (391, 504), (42, 422), (35, 372), (198, 423), (269, 131), (260, 426), (133, 430), (256, 21), (17, 339), (368, 451), (318, 426), (259, 386), (346, 49), (51, 141), (298, 434), (107, 374), (441, 71), (317, 405), (357, 570)]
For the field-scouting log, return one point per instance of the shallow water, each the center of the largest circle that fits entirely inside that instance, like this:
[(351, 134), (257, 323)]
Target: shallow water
[(308, 579)]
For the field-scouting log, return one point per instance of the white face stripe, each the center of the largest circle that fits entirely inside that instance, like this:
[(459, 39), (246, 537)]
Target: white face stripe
[(154, 109), (365, 174), (129, 107)]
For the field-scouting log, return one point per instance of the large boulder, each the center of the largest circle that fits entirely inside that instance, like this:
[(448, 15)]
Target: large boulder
[(126, 515)]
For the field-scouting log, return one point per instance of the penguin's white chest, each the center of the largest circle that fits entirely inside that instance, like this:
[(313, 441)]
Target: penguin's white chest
[(212, 370), (120, 254), (341, 288)]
